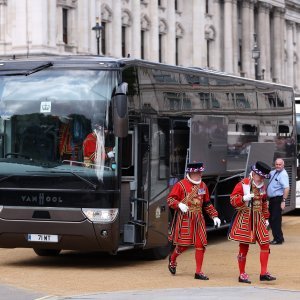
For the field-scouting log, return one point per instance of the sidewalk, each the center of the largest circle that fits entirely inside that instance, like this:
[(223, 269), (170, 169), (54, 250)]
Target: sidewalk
[(214, 293)]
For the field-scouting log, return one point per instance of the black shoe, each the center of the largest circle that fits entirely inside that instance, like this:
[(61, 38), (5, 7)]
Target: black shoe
[(274, 242), (172, 266), (201, 276), (267, 277), (244, 278)]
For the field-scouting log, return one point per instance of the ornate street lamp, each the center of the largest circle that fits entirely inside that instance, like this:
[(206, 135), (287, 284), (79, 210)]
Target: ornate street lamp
[(256, 56), (97, 28)]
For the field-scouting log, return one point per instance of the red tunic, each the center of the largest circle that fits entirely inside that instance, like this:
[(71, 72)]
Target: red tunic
[(249, 223), (189, 227), (67, 150), (89, 148)]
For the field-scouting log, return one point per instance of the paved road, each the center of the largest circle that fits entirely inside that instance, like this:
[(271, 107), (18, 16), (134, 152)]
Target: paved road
[(76, 276), (215, 293), (13, 293)]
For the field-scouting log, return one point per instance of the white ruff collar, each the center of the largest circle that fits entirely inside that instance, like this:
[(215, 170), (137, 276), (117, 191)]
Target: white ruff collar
[(193, 181), (258, 185)]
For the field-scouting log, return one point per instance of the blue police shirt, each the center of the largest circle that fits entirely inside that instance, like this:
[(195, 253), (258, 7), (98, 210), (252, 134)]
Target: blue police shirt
[(278, 182)]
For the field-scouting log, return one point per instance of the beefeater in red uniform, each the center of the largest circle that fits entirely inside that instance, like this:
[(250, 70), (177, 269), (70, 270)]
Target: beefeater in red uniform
[(189, 197), (89, 149), (250, 222)]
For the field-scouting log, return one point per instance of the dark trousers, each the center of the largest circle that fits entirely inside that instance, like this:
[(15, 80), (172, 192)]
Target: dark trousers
[(276, 218)]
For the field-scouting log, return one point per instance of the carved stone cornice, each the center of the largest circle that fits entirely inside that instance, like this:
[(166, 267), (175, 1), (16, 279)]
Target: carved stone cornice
[(67, 3), (278, 11), (179, 30), (289, 24), (264, 7), (210, 32), (126, 18), (163, 27), (145, 23), (106, 13), (248, 3)]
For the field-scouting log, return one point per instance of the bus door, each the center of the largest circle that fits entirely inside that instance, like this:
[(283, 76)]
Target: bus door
[(157, 223), (135, 231)]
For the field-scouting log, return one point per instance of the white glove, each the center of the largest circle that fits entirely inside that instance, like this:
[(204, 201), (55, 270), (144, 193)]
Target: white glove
[(217, 221), (267, 223), (246, 189), (248, 197), (111, 154), (184, 208)]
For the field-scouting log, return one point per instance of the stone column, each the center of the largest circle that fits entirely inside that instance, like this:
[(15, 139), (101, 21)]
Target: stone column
[(228, 59), (216, 56), (171, 34), (247, 39), (235, 38), (73, 30), (91, 12), (278, 49), (290, 53), (136, 29), (3, 5), (52, 21), (59, 34), (84, 30), (154, 31), (251, 71), (116, 45), (19, 23), (198, 41), (264, 40), (145, 25)]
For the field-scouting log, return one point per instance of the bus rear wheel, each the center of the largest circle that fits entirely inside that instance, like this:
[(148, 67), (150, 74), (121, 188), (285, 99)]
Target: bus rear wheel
[(46, 252)]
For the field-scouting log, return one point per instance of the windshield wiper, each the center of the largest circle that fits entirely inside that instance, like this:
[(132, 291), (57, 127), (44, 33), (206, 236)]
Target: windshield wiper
[(39, 68), (94, 186), (6, 177), (28, 72)]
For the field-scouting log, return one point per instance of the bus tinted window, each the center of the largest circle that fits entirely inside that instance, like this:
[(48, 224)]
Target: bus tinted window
[(196, 94), (159, 156), (246, 100), (129, 75), (266, 100)]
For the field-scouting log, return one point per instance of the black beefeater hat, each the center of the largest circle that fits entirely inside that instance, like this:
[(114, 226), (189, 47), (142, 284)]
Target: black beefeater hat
[(194, 167), (261, 169)]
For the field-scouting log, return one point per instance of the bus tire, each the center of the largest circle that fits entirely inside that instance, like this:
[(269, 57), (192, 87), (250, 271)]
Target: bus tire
[(46, 252), (159, 252)]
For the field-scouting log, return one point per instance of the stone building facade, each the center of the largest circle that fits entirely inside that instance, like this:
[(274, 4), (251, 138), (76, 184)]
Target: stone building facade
[(215, 34)]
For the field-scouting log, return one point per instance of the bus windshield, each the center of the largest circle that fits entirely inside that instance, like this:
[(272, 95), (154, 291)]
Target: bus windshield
[(58, 123)]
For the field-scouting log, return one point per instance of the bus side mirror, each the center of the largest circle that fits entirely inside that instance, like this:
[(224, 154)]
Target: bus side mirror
[(120, 111)]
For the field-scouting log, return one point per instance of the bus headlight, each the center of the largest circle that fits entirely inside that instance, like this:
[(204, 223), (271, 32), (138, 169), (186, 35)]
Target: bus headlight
[(101, 215)]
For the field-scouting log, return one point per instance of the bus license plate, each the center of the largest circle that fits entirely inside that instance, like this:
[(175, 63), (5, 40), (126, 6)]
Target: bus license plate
[(45, 238)]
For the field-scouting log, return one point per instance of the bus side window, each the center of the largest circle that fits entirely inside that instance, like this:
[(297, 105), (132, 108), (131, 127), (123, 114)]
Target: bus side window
[(128, 156), (2, 144)]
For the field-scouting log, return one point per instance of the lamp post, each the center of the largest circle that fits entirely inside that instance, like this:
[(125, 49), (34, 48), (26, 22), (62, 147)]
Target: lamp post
[(97, 28), (256, 56)]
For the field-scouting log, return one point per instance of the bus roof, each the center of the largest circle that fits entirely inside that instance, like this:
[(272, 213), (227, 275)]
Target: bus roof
[(25, 63)]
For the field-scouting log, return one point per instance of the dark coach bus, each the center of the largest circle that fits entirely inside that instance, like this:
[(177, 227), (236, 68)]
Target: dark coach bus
[(154, 118)]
